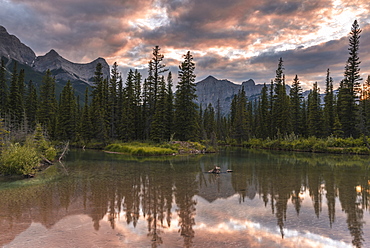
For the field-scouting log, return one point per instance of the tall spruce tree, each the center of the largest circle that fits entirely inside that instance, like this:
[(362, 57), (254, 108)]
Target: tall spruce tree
[(31, 106), (169, 107), (329, 107), (67, 114), (99, 112), (348, 95), (263, 118), (16, 108), (314, 114), (113, 101), (85, 126), (129, 105), (186, 114), (239, 117), (3, 90), (158, 131), (296, 105), (137, 105), (280, 106), (48, 107)]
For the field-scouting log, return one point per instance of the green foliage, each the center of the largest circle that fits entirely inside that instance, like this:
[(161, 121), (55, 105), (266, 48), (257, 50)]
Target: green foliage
[(20, 160), (139, 149)]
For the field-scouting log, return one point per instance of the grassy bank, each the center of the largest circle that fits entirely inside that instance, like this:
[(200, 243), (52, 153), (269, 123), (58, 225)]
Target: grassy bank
[(312, 144), (147, 149)]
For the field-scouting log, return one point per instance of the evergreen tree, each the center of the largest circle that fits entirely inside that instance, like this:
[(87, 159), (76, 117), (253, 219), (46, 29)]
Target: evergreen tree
[(296, 105), (209, 123), (365, 102), (47, 105), (169, 107), (3, 90), (98, 109), (129, 105), (329, 108), (239, 117), (31, 106), (263, 118), (85, 125), (113, 101), (314, 117), (159, 124), (349, 90), (16, 108), (186, 123), (67, 114), (280, 107), (137, 106)]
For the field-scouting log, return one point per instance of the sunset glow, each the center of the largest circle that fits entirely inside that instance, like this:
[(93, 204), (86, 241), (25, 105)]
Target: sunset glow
[(237, 41)]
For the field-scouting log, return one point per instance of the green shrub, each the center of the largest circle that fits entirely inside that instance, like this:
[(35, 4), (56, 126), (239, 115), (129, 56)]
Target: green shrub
[(20, 160), (50, 153)]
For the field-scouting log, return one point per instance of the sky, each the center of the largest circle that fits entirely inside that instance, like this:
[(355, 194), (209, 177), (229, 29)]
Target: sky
[(229, 39)]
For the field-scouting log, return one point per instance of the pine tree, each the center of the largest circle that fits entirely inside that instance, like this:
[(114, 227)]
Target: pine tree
[(209, 123), (158, 131), (3, 132), (239, 117), (99, 112), (3, 90), (31, 106), (47, 105), (137, 106), (263, 119), (280, 106), (129, 105), (296, 105), (329, 108), (113, 101), (186, 114), (85, 126), (169, 107), (16, 108), (151, 87), (314, 117), (349, 89), (67, 114)]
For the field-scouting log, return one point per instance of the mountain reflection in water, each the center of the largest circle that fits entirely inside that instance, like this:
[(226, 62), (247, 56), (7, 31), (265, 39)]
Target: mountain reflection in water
[(271, 199)]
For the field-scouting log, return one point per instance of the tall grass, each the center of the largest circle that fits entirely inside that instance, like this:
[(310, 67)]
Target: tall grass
[(140, 149)]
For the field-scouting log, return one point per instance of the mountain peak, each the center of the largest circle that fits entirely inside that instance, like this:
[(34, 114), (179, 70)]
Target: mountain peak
[(210, 77), (52, 52), (11, 47), (3, 29)]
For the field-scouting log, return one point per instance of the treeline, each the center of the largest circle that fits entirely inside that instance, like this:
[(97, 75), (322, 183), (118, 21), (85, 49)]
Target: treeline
[(278, 114), (136, 109), (148, 109)]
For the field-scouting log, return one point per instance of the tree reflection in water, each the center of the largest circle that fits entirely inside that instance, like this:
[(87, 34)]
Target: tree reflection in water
[(151, 191)]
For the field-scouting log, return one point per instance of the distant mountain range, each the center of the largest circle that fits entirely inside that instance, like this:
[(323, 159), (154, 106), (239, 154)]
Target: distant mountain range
[(13, 50), (209, 90)]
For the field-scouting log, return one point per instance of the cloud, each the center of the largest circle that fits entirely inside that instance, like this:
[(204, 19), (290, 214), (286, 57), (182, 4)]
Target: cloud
[(234, 39)]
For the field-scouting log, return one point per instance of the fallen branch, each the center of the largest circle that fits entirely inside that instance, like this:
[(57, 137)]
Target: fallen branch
[(65, 150)]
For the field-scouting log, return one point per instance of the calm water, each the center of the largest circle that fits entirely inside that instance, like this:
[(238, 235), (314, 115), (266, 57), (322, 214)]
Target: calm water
[(270, 200)]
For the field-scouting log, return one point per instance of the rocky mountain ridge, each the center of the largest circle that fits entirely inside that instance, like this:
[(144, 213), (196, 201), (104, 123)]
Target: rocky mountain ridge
[(13, 49)]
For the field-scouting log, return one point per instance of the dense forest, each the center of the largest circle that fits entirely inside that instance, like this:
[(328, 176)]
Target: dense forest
[(147, 108)]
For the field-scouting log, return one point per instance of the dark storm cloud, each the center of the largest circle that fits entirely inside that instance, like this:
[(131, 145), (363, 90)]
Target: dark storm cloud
[(79, 30), (223, 35)]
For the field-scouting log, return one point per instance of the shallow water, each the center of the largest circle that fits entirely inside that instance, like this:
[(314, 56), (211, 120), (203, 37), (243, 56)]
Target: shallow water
[(271, 199)]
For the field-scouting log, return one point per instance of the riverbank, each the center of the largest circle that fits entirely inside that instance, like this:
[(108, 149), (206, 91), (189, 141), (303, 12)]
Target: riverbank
[(312, 144)]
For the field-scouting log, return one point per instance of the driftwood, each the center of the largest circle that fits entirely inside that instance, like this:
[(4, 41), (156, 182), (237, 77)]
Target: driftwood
[(65, 150), (47, 161)]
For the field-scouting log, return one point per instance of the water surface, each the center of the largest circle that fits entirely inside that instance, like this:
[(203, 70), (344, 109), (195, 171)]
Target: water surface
[(271, 199)]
